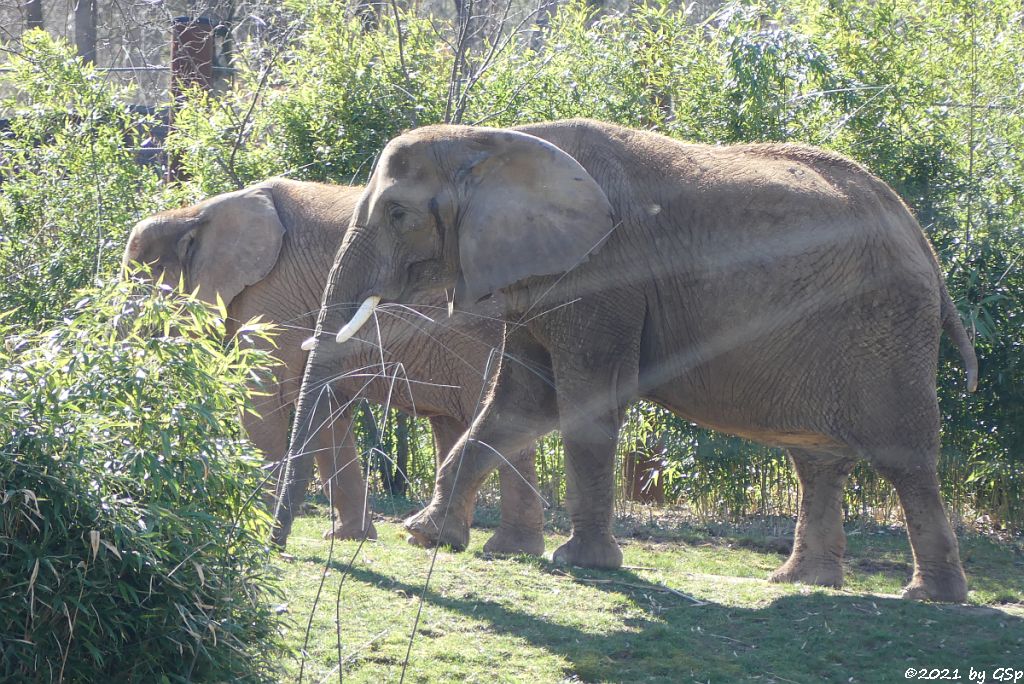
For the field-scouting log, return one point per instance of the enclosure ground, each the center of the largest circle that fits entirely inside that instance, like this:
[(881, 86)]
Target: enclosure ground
[(692, 604)]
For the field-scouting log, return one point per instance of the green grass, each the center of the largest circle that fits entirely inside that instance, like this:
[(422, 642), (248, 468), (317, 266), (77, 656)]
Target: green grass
[(523, 619)]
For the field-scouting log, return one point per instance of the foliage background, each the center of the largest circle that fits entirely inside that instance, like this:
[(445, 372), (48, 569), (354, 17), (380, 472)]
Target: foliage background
[(926, 93)]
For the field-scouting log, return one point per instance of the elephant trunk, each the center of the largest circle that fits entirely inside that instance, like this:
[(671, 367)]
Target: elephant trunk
[(313, 413), (315, 409)]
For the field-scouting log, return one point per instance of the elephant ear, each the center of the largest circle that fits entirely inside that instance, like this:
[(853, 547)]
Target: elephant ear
[(526, 209), (236, 244)]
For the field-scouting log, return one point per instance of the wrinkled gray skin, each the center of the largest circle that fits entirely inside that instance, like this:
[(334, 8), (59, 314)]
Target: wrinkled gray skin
[(776, 292), (267, 251)]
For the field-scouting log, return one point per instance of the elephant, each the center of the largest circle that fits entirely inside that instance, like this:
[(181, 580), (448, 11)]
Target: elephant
[(777, 292), (266, 251)]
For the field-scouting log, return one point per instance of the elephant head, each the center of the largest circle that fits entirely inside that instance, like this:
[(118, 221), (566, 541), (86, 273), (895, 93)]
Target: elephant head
[(233, 241), (219, 246), (468, 209)]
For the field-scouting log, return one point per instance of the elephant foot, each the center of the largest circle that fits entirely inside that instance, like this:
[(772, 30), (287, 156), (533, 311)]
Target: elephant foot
[(279, 539), (351, 531), (946, 586), (822, 572), (515, 541), (591, 552), (425, 529)]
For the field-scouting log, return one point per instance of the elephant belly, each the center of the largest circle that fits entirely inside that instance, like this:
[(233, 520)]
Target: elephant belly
[(773, 389), (752, 424)]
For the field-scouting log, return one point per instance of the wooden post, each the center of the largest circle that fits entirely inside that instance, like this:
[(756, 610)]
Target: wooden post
[(34, 13), (642, 468), (191, 54), (85, 29), (191, 65)]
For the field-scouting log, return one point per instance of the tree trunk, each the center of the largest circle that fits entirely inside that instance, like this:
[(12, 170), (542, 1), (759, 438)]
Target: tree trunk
[(374, 445), (400, 481), (85, 29)]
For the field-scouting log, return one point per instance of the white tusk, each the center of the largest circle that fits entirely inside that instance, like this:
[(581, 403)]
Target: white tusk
[(362, 315), (309, 343)]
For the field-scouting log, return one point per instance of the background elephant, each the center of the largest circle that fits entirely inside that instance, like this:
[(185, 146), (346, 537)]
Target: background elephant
[(267, 250), (777, 292)]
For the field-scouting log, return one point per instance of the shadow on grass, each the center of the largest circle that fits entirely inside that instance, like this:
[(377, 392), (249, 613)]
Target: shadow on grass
[(794, 638), (995, 569)]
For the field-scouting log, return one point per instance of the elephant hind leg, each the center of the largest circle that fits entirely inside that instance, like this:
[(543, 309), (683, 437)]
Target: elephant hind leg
[(819, 541), (905, 450), (522, 516), (938, 574)]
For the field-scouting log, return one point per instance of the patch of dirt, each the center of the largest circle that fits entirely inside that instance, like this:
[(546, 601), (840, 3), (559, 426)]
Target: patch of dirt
[(430, 633), (1008, 600), (872, 565), (780, 545)]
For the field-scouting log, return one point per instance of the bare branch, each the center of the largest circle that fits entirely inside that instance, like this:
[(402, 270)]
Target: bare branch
[(401, 59)]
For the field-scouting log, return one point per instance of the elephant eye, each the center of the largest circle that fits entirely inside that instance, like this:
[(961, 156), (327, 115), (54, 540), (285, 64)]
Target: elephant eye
[(396, 214)]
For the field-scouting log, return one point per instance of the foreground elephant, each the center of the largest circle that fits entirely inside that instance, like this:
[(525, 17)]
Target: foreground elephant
[(267, 251), (776, 292)]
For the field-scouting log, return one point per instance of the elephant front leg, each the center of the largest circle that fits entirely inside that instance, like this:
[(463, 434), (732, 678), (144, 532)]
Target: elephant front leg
[(594, 385), (521, 529), (337, 459), (590, 434), (268, 431), (819, 541), (596, 361), (427, 527), (269, 434), (521, 407), (447, 518)]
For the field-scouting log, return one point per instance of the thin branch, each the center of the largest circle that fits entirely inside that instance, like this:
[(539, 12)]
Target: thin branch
[(259, 91), (401, 60), (461, 46), (475, 77)]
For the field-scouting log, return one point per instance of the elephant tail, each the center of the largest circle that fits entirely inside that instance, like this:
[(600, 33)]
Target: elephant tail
[(954, 327)]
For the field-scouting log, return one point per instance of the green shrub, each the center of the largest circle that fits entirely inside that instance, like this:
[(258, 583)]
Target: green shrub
[(132, 542), (70, 186)]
